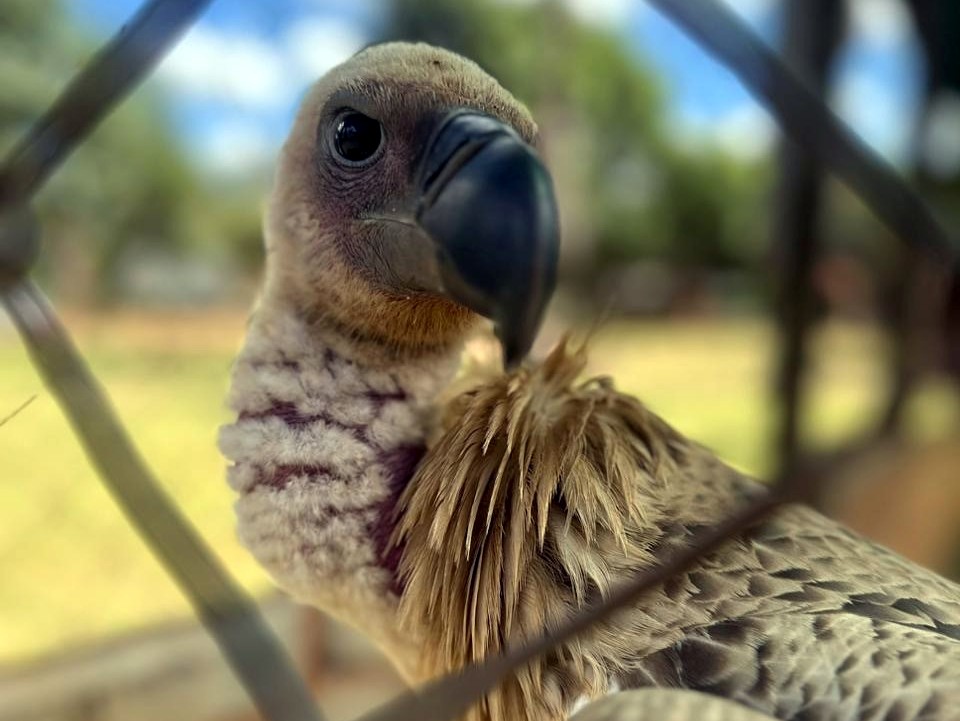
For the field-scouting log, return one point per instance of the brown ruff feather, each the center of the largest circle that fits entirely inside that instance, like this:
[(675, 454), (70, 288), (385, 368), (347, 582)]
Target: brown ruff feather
[(537, 494)]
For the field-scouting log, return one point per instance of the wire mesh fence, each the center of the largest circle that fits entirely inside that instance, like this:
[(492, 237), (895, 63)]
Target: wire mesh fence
[(229, 615)]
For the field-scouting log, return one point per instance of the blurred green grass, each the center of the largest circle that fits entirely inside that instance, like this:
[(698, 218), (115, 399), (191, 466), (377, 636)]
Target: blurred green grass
[(73, 569)]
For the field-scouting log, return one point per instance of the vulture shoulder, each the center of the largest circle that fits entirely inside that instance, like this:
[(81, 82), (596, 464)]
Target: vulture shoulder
[(542, 491)]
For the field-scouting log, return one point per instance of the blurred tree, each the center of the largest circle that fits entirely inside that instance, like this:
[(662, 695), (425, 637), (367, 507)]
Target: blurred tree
[(628, 191), (129, 184)]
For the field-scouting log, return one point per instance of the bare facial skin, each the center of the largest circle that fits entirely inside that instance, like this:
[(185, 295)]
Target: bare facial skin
[(334, 227)]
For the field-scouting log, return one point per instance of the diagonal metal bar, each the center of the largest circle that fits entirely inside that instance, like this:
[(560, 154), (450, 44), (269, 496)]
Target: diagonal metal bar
[(806, 119), (106, 79), (227, 612)]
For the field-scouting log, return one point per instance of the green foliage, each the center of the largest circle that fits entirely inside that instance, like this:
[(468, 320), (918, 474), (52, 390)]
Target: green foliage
[(128, 184), (710, 216)]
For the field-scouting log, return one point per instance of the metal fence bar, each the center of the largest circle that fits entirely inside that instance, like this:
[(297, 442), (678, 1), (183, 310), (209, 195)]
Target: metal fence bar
[(228, 613), (813, 30)]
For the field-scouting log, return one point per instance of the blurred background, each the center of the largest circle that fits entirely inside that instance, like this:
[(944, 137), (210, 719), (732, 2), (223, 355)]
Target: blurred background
[(676, 194)]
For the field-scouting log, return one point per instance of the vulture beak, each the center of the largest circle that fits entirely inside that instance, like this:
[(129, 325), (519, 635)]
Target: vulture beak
[(486, 202)]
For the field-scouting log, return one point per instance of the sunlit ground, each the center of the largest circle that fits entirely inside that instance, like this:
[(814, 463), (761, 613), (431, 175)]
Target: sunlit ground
[(73, 570)]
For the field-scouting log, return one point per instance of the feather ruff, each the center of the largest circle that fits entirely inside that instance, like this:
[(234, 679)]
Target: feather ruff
[(536, 496)]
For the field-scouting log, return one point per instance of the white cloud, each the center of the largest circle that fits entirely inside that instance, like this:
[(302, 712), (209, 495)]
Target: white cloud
[(875, 113), (244, 70), (246, 82), (366, 7), (598, 12), (752, 10), (233, 67), (605, 12), (881, 23), (317, 44), (232, 147), (746, 131)]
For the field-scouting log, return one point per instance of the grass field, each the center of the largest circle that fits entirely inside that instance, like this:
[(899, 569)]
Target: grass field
[(73, 569)]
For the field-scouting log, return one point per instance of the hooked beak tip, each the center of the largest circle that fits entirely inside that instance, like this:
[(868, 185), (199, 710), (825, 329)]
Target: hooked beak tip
[(487, 201)]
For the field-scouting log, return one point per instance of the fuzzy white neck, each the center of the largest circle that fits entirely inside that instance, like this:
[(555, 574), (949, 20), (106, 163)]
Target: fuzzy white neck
[(323, 444)]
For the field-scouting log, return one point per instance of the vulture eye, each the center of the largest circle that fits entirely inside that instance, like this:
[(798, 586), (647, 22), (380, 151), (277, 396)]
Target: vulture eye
[(357, 137)]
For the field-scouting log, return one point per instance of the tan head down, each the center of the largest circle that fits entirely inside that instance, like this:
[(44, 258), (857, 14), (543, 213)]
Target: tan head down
[(329, 220)]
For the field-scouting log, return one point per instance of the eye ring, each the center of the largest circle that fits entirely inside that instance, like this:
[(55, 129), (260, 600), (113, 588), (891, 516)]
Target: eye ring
[(357, 140)]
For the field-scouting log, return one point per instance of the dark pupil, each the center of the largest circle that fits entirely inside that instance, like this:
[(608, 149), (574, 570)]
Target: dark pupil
[(358, 136)]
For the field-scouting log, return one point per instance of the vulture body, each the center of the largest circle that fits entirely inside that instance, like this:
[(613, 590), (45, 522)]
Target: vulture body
[(446, 518)]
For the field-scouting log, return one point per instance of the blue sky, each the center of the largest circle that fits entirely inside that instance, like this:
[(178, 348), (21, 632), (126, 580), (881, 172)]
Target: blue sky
[(236, 77)]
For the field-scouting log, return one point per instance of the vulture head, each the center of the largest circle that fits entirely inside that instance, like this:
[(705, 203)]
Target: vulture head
[(409, 200)]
